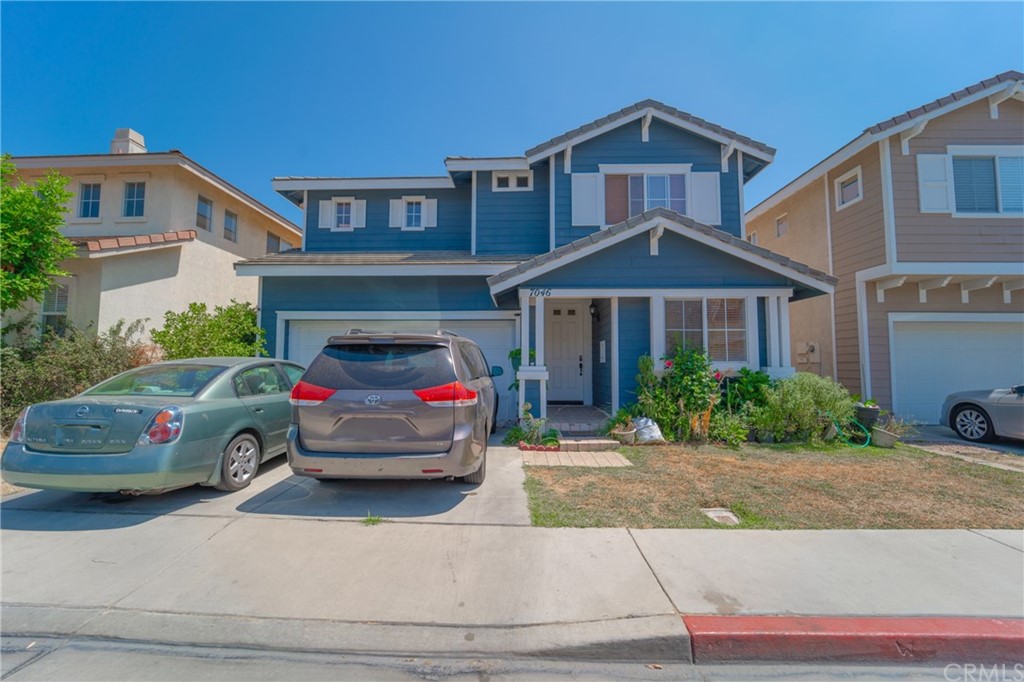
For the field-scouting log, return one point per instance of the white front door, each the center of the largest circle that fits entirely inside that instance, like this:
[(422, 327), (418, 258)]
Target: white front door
[(564, 325)]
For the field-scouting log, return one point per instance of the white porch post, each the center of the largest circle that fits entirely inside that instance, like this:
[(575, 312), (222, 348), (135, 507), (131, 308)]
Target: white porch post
[(657, 331), (753, 338), (772, 322), (524, 347), (784, 355), (539, 312), (615, 354)]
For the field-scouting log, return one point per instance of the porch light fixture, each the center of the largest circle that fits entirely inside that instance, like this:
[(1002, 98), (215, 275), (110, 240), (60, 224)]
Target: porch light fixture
[(593, 312)]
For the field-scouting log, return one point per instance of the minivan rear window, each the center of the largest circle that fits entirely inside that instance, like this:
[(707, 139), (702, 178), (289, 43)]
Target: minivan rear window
[(381, 366)]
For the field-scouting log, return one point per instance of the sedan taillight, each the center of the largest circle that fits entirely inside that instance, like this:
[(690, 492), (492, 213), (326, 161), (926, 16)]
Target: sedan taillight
[(18, 432), (305, 393), (164, 427), (448, 395)]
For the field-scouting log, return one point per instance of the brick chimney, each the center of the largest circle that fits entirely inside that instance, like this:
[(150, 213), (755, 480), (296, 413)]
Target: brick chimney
[(127, 141)]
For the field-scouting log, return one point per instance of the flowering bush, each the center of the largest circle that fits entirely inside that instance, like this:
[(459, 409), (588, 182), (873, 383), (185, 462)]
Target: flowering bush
[(682, 399)]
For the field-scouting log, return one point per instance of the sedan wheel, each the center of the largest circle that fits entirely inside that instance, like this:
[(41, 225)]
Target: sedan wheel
[(239, 463), (971, 423)]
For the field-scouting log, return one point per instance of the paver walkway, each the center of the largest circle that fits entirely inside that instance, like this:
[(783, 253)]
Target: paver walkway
[(575, 459)]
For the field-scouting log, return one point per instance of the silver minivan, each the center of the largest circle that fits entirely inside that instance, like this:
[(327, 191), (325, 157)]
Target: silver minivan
[(394, 405)]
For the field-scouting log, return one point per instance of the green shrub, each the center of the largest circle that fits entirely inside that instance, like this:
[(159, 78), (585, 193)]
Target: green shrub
[(748, 386), (681, 400), (800, 408), (530, 430), (727, 427), (57, 367), (228, 331)]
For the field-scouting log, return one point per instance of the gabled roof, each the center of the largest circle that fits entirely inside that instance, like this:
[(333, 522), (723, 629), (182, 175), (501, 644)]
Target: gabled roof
[(168, 158), (639, 224), (666, 112), (1006, 82)]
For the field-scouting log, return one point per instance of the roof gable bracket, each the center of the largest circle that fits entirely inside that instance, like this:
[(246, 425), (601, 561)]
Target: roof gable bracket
[(727, 150), (1009, 286), (924, 286), (645, 128), (973, 285), (910, 133), (655, 235), (1015, 89), (567, 166)]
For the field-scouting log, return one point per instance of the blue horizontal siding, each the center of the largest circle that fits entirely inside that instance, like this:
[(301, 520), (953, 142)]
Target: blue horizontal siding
[(513, 222), (682, 263), (602, 371), (369, 294), (451, 234), (634, 341)]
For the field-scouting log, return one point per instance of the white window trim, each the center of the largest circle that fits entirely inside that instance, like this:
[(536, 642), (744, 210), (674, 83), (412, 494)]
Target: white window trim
[(224, 228), (124, 199), (405, 213), (351, 201), (753, 360), (647, 170), (512, 177), (66, 313), (837, 184), (78, 201), (784, 216), (993, 152)]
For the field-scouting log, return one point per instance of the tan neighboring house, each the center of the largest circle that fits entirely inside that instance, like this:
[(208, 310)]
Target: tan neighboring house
[(921, 218), (155, 231)]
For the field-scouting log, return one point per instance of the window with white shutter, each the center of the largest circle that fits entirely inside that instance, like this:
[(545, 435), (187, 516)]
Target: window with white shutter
[(587, 199), (413, 214)]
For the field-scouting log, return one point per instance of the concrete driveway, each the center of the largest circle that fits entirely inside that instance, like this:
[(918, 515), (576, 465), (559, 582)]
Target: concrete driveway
[(500, 500)]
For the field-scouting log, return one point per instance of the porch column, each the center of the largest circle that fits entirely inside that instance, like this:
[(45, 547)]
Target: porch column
[(784, 349), (615, 354), (539, 312), (772, 321), (658, 332), (524, 348)]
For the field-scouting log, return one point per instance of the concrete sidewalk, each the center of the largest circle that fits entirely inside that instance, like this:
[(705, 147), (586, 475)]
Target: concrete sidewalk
[(314, 584)]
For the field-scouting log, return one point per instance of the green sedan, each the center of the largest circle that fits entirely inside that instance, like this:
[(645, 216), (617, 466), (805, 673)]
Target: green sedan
[(211, 421)]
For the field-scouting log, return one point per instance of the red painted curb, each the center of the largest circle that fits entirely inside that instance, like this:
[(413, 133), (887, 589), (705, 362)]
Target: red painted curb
[(861, 638)]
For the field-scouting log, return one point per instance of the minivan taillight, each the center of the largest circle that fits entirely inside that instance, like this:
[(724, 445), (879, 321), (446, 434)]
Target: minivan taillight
[(305, 393), (449, 395), (164, 427), (18, 432)]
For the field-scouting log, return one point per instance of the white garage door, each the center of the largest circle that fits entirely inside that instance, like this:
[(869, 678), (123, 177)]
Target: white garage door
[(495, 338), (934, 359)]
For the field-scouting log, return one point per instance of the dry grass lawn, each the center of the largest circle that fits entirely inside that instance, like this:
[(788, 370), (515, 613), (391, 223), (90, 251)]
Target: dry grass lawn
[(779, 487)]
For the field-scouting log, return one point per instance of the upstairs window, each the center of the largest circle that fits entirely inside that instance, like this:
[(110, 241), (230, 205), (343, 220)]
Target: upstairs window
[(343, 215), (134, 199), (55, 309), (89, 200), (204, 214), (230, 226), (519, 181), (782, 225), (274, 243), (848, 189), (629, 195), (988, 184), (413, 213)]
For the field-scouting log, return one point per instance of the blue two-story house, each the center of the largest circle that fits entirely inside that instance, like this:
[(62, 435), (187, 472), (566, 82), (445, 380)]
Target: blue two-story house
[(621, 238)]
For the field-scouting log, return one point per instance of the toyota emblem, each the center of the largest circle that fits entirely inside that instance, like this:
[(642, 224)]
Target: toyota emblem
[(372, 400), (82, 411)]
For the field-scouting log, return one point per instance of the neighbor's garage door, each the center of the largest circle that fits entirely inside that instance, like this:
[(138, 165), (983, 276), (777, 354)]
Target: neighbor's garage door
[(934, 359), (495, 338)]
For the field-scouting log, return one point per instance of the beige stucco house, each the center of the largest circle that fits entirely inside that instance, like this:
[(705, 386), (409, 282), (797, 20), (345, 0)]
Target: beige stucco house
[(155, 231), (921, 218)]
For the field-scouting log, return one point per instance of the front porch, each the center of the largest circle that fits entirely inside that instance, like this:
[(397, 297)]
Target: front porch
[(581, 347)]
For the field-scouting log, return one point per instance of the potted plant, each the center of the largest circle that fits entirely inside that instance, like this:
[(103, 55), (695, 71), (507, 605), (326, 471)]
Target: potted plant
[(868, 412), (624, 431)]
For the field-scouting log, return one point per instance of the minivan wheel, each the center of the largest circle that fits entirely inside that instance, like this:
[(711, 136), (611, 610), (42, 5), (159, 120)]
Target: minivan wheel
[(477, 476), (494, 417), (239, 463)]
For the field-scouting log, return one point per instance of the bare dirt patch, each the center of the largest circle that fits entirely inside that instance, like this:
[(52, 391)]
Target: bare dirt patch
[(780, 487)]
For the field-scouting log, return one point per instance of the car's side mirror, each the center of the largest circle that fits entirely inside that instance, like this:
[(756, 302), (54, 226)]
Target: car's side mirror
[(497, 371), (1019, 390)]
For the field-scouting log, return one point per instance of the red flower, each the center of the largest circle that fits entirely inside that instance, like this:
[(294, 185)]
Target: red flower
[(718, 375), (668, 364)]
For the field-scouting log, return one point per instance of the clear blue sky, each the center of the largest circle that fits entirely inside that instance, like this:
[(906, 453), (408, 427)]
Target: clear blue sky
[(258, 90)]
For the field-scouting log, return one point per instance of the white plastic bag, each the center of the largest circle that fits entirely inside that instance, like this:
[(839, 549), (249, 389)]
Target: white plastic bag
[(647, 430)]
